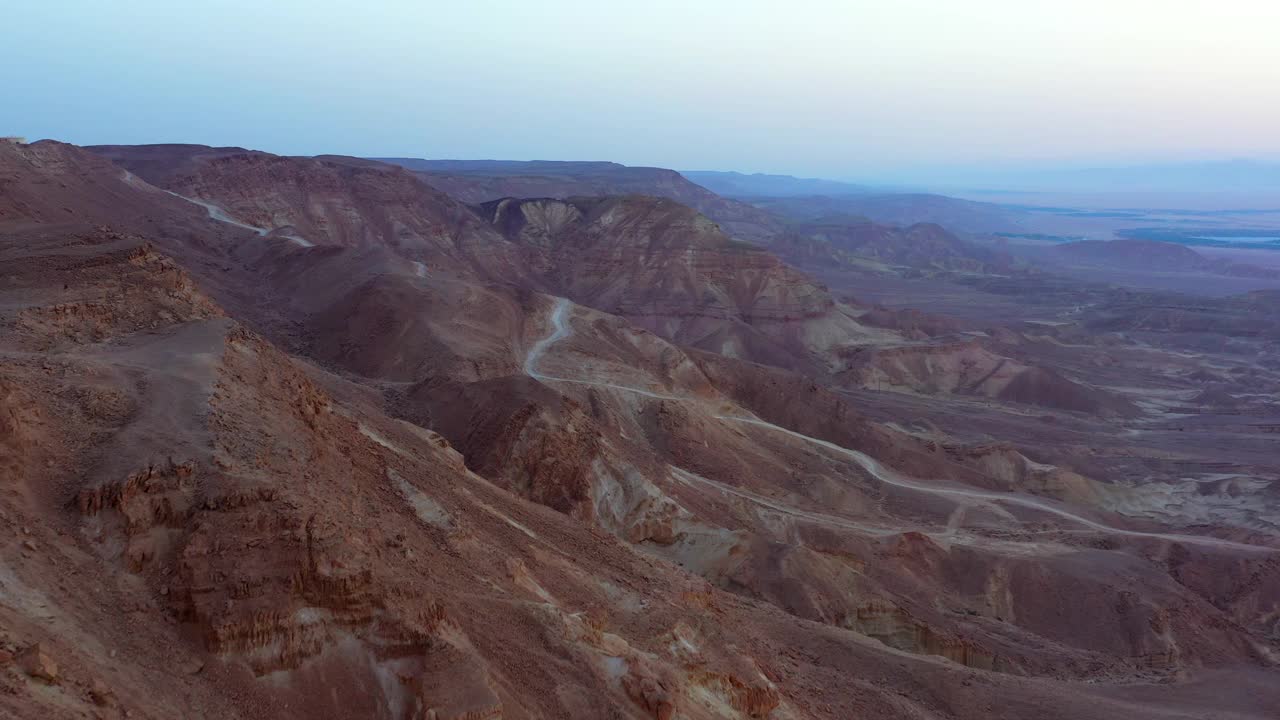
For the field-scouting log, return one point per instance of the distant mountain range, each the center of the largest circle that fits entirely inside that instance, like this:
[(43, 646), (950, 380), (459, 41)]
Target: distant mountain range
[(479, 181), (736, 184)]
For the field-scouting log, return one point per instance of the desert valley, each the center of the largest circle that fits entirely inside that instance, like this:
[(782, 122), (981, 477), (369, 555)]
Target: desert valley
[(304, 437)]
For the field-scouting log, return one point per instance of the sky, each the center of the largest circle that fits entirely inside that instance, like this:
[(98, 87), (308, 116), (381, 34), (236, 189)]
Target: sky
[(894, 90)]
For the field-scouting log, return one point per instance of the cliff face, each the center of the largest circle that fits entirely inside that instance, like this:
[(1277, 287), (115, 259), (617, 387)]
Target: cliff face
[(670, 269), (646, 256), (483, 181)]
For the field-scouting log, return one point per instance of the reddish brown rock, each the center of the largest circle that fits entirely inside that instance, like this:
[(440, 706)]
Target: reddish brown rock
[(36, 662), (101, 693), (194, 407)]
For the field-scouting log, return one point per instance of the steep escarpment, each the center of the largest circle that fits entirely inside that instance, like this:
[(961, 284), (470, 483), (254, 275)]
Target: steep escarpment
[(644, 256), (667, 268), (482, 181)]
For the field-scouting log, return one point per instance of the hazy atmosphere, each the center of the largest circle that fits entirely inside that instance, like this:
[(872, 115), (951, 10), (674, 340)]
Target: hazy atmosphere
[(900, 91), (698, 360)]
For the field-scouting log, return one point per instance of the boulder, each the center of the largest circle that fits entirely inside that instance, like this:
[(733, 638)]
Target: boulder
[(36, 662), (101, 693)]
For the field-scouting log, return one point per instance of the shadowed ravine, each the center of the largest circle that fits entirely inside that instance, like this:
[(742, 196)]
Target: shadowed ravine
[(561, 329)]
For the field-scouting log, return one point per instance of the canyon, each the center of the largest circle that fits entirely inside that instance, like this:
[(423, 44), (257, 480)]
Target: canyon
[(311, 437)]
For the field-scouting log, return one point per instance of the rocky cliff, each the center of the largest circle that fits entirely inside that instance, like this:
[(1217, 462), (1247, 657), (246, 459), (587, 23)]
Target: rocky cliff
[(483, 181)]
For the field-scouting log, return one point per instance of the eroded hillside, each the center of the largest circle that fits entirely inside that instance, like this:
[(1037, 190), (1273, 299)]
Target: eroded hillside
[(569, 458)]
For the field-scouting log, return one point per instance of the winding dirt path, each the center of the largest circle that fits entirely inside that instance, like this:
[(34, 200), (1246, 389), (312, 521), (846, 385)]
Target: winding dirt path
[(889, 476), (215, 211), (562, 329), (836, 521)]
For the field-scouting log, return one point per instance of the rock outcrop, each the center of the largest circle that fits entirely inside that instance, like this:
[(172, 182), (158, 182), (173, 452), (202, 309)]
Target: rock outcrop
[(247, 477), (482, 181)]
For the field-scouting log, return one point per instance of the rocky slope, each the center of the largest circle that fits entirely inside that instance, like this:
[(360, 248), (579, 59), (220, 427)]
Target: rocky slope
[(51, 185), (655, 261), (236, 588), (246, 477), (969, 368), (326, 201), (669, 269)]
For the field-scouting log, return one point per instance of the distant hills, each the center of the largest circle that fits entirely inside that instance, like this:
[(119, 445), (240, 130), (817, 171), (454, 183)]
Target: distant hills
[(758, 207), (736, 184), (479, 181), (901, 209)]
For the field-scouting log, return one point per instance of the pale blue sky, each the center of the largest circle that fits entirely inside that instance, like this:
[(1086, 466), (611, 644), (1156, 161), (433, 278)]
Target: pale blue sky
[(840, 89)]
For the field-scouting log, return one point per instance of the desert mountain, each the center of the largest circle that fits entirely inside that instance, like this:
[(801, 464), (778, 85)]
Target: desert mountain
[(653, 260), (251, 477), (901, 210), (329, 200), (918, 247), (480, 181), (669, 269)]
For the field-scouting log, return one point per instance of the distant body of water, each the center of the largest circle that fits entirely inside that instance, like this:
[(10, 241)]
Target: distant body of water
[(1260, 238), (1244, 240)]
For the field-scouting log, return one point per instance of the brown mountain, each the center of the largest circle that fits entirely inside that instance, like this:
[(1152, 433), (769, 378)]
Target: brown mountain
[(232, 488), (480, 181), (900, 210), (325, 201), (655, 261), (50, 184), (667, 268), (921, 246)]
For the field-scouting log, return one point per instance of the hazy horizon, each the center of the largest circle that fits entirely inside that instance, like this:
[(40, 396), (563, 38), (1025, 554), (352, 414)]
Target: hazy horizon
[(913, 93)]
